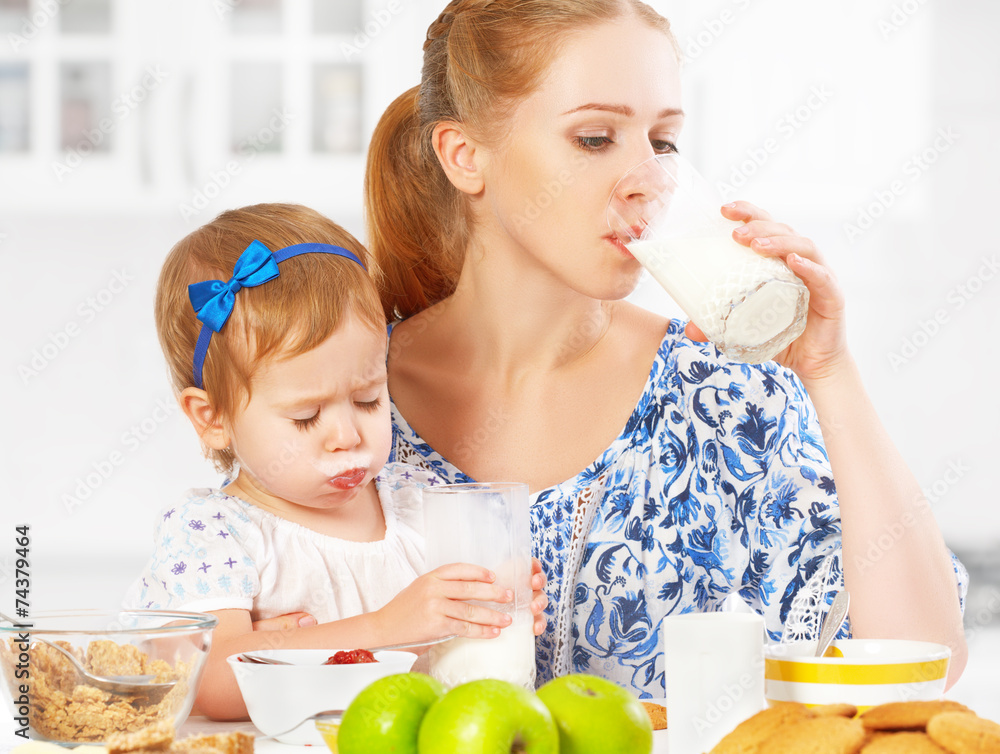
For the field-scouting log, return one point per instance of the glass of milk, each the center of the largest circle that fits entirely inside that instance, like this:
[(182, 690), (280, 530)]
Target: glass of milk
[(485, 524), (669, 218)]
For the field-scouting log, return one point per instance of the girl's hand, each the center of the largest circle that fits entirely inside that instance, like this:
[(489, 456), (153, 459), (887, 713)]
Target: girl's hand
[(433, 606), (822, 348), (539, 600)]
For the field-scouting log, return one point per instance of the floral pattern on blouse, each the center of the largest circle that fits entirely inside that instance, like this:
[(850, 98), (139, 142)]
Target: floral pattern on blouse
[(718, 485)]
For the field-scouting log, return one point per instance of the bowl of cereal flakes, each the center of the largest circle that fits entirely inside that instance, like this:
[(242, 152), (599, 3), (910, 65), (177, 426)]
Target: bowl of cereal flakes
[(133, 668)]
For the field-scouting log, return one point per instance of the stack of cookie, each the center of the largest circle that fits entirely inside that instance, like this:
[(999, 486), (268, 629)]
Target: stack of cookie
[(939, 727)]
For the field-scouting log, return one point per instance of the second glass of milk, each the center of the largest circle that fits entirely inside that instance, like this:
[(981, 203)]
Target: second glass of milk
[(669, 218), (488, 525)]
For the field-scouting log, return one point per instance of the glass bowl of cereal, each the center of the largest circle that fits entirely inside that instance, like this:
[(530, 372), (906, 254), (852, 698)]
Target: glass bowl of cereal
[(132, 668)]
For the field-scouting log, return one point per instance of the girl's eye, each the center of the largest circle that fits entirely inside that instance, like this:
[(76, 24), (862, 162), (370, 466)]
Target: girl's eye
[(662, 146), (370, 406), (593, 143), (305, 424)]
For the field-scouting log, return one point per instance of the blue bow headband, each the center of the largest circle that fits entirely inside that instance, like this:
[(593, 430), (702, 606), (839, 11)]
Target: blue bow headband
[(213, 300)]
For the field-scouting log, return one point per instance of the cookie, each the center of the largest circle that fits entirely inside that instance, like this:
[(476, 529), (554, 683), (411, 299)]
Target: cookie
[(964, 733), (159, 735), (908, 715), (904, 742), (835, 710), (748, 735), (830, 734), (657, 714)]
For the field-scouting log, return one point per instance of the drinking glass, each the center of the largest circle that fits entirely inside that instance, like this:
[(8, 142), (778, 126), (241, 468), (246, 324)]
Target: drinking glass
[(714, 668), (668, 216), (488, 525)]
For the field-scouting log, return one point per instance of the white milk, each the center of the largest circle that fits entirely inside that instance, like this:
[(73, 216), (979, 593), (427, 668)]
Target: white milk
[(509, 657), (750, 306)]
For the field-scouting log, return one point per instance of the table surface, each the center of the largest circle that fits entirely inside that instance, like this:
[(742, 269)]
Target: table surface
[(196, 724)]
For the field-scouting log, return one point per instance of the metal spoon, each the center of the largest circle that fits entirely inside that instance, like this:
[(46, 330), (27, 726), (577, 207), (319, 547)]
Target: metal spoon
[(330, 714), (261, 660), (832, 621), (127, 685)]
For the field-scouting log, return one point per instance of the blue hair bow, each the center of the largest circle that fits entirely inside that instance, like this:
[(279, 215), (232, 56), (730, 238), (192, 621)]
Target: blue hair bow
[(213, 300)]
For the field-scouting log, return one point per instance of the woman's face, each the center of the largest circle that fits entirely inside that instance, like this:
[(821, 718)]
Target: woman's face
[(609, 100)]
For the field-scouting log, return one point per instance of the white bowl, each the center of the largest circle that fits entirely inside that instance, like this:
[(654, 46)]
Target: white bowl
[(279, 696), (868, 672)]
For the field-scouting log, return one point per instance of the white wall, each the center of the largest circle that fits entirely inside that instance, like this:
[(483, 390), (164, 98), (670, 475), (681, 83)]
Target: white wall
[(867, 85)]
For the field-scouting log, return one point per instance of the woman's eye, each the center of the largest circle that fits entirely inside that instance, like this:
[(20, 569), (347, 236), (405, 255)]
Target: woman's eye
[(662, 146), (593, 143), (305, 424), (370, 406)]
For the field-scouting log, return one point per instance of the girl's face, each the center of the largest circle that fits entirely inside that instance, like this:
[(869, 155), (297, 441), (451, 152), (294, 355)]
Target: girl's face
[(609, 100), (317, 429)]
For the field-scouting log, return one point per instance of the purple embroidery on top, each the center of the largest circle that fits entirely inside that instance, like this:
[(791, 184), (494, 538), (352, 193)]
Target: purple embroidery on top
[(196, 525), (169, 513), (432, 481), (178, 568), (407, 475), (223, 533), (219, 516), (204, 567), (230, 563)]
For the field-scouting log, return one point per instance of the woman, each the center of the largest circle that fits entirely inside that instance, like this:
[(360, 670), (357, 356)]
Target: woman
[(516, 358)]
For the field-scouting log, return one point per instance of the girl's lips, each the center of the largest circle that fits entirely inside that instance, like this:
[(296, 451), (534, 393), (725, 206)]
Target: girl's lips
[(348, 479)]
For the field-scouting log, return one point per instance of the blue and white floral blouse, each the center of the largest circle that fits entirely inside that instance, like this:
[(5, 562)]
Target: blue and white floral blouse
[(718, 484)]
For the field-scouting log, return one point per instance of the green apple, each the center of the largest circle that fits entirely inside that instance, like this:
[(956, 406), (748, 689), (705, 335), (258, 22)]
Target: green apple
[(595, 715), (488, 716), (386, 715)]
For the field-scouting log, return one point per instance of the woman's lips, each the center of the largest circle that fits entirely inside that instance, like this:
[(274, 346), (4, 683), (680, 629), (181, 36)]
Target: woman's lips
[(348, 479), (622, 248)]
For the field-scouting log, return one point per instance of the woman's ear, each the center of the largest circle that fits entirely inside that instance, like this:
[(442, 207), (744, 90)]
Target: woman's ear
[(198, 409), (460, 157)]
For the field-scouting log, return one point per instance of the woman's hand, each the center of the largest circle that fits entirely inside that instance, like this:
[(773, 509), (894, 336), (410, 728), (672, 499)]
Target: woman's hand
[(433, 606), (539, 600), (822, 348)]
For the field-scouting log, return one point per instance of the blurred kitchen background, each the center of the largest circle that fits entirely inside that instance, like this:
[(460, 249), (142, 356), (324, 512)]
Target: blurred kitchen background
[(868, 126)]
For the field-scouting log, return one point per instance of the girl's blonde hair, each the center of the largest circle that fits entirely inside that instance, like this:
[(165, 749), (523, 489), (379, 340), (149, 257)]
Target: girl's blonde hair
[(481, 57), (284, 317)]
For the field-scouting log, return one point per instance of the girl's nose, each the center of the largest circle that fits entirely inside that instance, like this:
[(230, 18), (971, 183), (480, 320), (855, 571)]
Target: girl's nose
[(342, 435)]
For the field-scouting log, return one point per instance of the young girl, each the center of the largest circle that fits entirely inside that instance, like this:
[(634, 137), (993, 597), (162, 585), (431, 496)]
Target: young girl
[(281, 370)]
